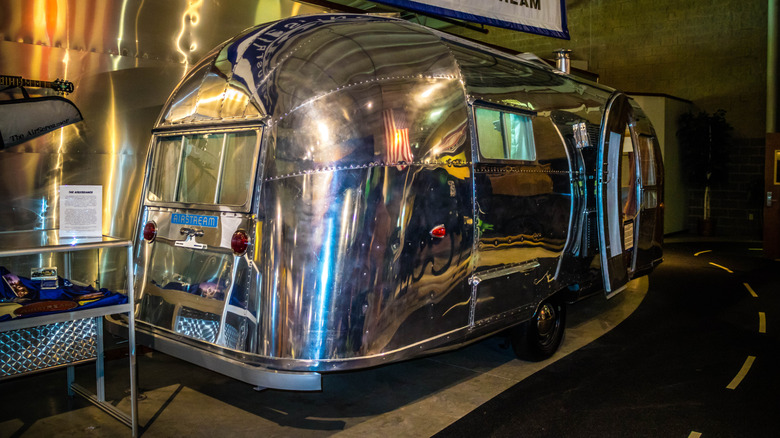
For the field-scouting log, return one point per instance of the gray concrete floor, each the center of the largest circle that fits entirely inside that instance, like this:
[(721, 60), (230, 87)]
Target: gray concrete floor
[(413, 398)]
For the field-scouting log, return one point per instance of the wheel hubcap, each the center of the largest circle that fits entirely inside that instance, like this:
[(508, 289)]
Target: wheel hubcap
[(546, 322)]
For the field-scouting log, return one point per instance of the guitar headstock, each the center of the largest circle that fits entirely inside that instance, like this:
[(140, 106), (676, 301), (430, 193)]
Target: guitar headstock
[(62, 86)]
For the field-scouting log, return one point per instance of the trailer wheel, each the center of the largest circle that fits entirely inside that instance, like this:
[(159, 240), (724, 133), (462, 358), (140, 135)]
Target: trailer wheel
[(538, 338)]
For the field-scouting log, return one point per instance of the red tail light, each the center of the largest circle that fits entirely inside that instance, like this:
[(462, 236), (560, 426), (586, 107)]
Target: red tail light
[(438, 232), (150, 231), (240, 242)]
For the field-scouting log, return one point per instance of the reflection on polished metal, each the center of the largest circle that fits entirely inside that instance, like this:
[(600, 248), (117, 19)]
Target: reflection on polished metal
[(546, 322), (340, 142), (124, 57)]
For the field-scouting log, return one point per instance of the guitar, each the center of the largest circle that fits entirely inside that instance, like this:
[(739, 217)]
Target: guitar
[(59, 85)]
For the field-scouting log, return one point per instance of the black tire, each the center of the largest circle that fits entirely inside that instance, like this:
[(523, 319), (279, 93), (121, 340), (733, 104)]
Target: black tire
[(539, 338)]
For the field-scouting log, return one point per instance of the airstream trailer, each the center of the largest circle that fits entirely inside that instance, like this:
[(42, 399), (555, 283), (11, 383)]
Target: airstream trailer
[(334, 192)]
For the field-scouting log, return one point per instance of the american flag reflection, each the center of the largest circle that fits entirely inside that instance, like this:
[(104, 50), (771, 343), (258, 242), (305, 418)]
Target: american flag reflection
[(397, 136)]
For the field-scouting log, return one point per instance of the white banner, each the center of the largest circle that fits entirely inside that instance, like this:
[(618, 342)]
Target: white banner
[(541, 17)]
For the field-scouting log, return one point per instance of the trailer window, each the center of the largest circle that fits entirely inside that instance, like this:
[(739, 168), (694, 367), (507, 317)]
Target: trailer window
[(504, 135), (211, 168), (648, 165), (166, 156), (237, 178), (199, 169), (647, 157), (628, 175)]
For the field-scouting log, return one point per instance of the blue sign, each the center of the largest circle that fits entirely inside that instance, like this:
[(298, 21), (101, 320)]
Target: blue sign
[(195, 219)]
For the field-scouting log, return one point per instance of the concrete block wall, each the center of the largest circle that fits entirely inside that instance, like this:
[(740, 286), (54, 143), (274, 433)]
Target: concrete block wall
[(711, 52), (737, 203)]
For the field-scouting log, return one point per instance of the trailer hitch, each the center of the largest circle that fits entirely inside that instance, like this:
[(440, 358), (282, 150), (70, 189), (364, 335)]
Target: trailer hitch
[(190, 232), (190, 242)]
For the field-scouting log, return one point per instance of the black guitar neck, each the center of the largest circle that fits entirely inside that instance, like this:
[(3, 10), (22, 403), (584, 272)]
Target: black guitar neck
[(60, 86)]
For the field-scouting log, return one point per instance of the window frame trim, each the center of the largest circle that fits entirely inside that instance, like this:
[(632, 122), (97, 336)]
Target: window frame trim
[(258, 129)]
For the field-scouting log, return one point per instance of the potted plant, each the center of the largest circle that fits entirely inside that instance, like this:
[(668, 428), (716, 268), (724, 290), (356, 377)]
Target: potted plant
[(705, 141)]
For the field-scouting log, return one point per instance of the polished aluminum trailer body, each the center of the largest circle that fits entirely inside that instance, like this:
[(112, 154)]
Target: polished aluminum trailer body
[(404, 192)]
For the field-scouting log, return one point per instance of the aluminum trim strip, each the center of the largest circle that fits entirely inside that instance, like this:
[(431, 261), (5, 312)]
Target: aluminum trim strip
[(254, 375), (500, 272), (33, 249)]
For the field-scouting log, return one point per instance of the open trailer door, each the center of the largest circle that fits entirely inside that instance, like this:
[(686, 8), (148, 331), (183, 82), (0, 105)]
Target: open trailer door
[(618, 191)]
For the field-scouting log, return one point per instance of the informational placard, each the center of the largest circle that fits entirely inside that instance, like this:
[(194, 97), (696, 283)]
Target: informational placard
[(541, 17), (81, 211)]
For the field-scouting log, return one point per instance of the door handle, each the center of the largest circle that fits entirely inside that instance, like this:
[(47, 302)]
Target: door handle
[(769, 199)]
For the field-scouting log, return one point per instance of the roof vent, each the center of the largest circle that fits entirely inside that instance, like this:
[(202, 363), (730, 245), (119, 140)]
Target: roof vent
[(563, 60)]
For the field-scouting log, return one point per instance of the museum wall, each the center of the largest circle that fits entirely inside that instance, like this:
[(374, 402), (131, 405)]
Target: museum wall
[(711, 52), (125, 57)]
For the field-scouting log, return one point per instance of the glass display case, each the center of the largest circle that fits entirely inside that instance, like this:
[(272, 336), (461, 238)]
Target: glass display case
[(54, 317)]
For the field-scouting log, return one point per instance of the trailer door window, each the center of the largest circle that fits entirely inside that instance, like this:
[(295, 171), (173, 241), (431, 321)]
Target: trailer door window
[(505, 136), (628, 175), (649, 166), (212, 168)]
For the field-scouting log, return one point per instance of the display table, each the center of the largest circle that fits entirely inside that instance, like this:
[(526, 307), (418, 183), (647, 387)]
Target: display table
[(68, 338)]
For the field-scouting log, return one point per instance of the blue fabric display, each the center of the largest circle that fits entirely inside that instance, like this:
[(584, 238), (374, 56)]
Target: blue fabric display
[(66, 291)]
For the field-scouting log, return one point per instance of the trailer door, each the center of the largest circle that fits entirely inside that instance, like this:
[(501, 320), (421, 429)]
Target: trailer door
[(618, 191), (522, 208), (189, 278)]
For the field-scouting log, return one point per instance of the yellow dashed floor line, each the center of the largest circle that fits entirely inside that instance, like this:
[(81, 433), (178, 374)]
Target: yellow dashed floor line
[(742, 373), (722, 267)]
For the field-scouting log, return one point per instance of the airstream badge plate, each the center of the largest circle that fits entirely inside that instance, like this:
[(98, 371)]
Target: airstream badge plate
[(194, 219)]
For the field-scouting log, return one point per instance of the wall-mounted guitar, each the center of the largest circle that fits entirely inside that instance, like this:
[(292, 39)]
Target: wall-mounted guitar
[(59, 85), (25, 118)]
